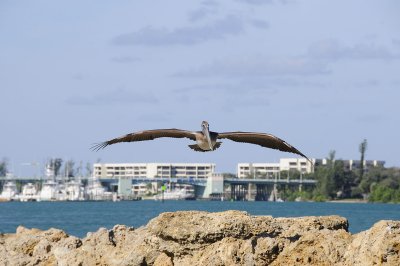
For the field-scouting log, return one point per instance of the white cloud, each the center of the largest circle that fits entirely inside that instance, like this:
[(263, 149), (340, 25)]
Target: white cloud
[(230, 25), (210, 3), (258, 23), (125, 59), (199, 14), (118, 96), (333, 50), (256, 2), (258, 66), (265, 2)]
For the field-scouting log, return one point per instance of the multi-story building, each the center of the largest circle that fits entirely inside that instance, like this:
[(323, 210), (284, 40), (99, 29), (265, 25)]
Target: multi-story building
[(272, 170), (151, 170), (356, 164), (302, 165)]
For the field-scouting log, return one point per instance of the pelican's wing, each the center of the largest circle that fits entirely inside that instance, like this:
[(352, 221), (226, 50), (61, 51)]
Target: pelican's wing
[(262, 139), (147, 135)]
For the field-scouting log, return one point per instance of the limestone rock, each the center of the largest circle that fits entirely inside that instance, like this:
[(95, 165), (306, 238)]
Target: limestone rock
[(378, 245), (202, 238)]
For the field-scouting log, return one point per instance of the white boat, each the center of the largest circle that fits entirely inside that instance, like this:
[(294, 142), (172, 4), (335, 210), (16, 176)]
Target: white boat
[(74, 190), (29, 193), (177, 194), (9, 192), (95, 191), (61, 192), (49, 191)]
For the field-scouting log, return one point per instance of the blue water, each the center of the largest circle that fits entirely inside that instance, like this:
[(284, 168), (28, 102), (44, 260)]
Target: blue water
[(78, 218)]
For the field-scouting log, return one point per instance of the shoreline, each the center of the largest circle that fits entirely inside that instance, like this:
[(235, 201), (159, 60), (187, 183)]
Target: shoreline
[(349, 201)]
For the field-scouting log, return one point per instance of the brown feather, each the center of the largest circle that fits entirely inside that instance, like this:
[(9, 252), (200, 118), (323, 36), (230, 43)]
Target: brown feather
[(147, 135), (262, 139)]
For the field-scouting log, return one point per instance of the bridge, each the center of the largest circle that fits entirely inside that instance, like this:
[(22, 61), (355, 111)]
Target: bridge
[(262, 189)]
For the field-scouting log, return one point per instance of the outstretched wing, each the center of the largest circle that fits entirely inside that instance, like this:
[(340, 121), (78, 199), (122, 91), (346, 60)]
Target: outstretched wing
[(147, 135), (262, 139)]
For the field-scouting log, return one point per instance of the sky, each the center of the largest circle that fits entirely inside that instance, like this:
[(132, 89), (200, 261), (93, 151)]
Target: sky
[(322, 75)]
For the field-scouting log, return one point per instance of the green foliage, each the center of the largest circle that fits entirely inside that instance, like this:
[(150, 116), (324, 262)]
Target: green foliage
[(55, 165), (294, 174), (383, 184), (383, 194), (356, 192), (89, 170), (319, 198), (362, 149), (325, 185), (69, 168), (3, 167), (229, 175)]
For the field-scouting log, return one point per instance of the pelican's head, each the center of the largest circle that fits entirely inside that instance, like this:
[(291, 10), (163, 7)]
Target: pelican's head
[(206, 132), (204, 125)]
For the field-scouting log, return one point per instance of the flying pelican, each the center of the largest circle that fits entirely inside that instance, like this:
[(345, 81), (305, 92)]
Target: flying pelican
[(206, 140)]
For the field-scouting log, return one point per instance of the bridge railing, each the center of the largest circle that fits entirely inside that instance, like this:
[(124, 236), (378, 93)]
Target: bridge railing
[(270, 181)]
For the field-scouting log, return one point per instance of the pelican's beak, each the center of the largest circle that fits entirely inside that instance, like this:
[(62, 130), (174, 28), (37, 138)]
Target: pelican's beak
[(209, 141), (207, 134)]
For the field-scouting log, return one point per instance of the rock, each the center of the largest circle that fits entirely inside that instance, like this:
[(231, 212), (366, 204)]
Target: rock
[(202, 238), (163, 260), (378, 245)]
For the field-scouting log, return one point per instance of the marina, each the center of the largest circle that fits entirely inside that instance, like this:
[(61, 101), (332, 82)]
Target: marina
[(215, 187), (159, 181)]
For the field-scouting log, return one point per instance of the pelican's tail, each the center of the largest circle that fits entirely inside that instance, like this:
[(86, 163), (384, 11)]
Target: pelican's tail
[(197, 148)]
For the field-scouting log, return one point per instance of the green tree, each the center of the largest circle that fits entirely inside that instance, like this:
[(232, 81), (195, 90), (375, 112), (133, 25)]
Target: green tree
[(362, 148), (89, 169), (69, 168), (383, 184), (324, 185), (57, 163), (294, 174), (229, 175), (3, 167), (331, 158)]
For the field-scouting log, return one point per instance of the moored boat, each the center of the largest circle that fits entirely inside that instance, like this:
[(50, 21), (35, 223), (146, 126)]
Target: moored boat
[(9, 192), (29, 193)]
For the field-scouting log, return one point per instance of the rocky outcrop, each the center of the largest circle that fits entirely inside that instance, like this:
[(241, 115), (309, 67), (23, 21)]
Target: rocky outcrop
[(202, 238)]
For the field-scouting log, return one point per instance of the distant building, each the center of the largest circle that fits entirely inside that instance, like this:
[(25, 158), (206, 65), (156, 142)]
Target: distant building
[(302, 165), (272, 170), (151, 170), (354, 164)]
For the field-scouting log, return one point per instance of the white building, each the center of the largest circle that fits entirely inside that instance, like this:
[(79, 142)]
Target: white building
[(139, 189), (151, 170), (302, 165), (354, 164), (272, 170)]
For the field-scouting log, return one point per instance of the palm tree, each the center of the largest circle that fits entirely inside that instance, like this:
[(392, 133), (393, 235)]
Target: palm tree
[(362, 149)]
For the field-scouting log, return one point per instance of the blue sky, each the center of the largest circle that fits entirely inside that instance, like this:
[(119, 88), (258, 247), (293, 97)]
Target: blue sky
[(322, 75)]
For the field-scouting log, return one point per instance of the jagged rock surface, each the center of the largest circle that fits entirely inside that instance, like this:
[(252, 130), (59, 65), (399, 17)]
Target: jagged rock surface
[(202, 238)]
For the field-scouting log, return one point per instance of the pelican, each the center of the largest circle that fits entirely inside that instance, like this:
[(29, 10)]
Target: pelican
[(206, 140)]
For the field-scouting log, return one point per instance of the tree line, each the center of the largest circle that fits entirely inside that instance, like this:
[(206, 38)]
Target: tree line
[(336, 181)]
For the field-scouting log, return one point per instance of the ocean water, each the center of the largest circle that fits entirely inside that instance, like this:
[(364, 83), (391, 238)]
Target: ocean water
[(78, 218)]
